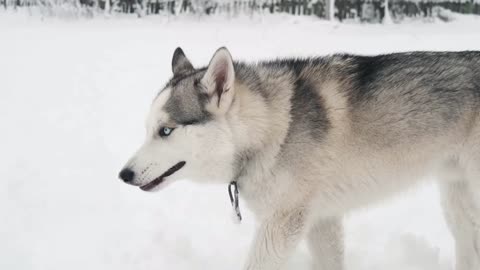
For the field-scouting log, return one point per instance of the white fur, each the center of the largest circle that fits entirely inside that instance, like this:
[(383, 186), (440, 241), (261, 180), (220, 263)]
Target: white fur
[(305, 193), (221, 65), (207, 149)]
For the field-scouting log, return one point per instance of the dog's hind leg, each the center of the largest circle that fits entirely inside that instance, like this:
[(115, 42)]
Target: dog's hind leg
[(461, 203), (325, 241)]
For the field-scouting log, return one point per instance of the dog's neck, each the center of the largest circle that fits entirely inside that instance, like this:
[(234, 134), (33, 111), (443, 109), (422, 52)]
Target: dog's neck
[(259, 134)]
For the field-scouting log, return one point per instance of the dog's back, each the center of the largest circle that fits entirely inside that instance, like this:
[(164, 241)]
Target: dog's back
[(415, 95)]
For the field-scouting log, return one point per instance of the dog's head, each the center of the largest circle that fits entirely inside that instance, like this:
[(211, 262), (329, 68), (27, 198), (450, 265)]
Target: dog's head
[(188, 135)]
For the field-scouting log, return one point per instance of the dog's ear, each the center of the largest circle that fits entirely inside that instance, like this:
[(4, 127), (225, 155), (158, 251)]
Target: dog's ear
[(219, 79), (180, 62)]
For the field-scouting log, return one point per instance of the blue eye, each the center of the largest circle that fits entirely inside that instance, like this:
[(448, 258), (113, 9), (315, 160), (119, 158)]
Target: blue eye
[(165, 131)]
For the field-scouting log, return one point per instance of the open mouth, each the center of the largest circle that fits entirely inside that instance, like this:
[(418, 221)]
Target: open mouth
[(157, 181)]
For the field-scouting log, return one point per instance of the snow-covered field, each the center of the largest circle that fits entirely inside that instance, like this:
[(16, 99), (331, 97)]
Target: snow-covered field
[(74, 96)]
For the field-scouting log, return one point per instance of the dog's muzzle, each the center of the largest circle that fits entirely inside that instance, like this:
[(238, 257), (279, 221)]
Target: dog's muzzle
[(157, 181)]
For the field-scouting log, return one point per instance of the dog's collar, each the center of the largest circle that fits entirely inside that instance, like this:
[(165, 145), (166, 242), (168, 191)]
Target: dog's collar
[(233, 194)]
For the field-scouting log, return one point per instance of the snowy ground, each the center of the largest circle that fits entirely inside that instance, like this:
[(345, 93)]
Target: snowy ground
[(74, 99)]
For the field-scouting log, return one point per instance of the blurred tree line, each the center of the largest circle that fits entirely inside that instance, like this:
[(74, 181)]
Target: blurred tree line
[(362, 10)]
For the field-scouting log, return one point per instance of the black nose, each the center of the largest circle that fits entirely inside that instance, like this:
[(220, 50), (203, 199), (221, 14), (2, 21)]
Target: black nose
[(126, 175)]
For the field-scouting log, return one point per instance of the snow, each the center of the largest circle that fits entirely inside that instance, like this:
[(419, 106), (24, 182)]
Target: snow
[(74, 98)]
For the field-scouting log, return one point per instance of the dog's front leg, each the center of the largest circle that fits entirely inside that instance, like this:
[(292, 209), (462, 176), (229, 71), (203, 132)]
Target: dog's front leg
[(276, 237)]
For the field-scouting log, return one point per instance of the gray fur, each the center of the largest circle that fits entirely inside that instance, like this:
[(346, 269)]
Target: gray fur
[(186, 104), (309, 139), (309, 116), (426, 93), (180, 63)]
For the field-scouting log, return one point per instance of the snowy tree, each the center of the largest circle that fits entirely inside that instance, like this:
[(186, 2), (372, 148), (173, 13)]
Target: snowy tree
[(387, 19), (330, 12), (107, 8)]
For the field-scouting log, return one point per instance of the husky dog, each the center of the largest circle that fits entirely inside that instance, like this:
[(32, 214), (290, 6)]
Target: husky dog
[(307, 140)]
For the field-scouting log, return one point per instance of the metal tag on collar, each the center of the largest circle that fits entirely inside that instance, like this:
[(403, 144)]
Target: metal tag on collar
[(233, 193)]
